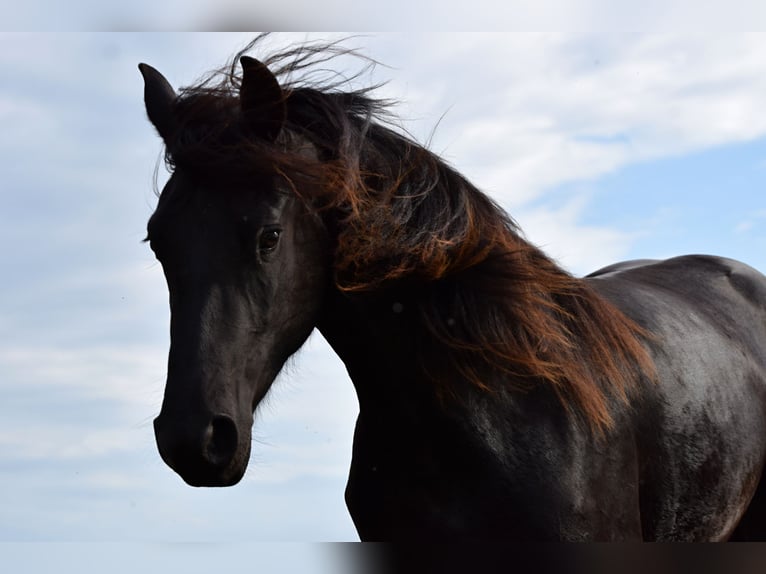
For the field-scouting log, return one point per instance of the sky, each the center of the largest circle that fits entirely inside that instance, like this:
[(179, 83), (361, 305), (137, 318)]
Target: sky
[(603, 147)]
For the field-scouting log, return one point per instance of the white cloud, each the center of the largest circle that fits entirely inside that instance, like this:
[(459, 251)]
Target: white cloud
[(753, 221), (42, 440), (580, 248), (533, 111), (120, 374), (78, 404)]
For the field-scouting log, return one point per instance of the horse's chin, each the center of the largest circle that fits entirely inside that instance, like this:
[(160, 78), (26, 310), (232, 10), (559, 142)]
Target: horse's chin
[(214, 479)]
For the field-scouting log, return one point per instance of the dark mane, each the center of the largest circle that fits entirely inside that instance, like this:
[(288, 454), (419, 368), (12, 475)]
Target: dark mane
[(496, 304)]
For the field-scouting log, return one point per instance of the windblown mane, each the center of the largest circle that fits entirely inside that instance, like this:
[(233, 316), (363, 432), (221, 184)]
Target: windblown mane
[(496, 304)]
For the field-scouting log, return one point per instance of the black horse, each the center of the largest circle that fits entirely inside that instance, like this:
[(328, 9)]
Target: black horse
[(500, 397)]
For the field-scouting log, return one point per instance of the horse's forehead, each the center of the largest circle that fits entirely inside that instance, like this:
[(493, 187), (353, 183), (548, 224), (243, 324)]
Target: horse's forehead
[(253, 198)]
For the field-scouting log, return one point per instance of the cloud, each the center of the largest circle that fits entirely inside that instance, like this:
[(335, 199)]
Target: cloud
[(541, 110), (754, 219), (107, 372), (578, 247), (77, 404)]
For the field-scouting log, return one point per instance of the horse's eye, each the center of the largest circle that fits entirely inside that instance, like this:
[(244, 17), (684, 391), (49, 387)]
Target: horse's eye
[(268, 240)]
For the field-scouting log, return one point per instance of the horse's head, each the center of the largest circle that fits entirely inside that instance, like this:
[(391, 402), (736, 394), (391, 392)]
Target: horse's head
[(245, 263)]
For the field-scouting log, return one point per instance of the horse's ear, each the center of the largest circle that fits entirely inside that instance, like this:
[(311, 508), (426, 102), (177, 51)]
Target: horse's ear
[(159, 97), (261, 99)]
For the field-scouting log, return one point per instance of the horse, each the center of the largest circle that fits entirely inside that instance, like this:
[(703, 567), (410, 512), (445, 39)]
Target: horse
[(500, 397)]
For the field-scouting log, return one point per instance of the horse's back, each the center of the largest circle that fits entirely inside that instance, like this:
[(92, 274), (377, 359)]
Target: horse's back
[(701, 428), (676, 273), (691, 291)]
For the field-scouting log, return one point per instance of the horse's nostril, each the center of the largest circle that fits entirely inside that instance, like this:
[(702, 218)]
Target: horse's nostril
[(222, 440)]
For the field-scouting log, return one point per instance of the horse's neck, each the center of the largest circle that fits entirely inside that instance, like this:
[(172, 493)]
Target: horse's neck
[(380, 342), (374, 338)]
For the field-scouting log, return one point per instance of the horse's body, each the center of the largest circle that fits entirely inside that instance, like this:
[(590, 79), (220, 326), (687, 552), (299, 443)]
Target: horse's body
[(681, 464), (499, 396), (698, 432)]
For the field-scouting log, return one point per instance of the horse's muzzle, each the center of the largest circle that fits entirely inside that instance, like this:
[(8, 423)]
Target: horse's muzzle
[(207, 454)]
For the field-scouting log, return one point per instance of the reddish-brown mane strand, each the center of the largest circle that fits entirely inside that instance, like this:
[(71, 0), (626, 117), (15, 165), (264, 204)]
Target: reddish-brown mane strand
[(498, 305)]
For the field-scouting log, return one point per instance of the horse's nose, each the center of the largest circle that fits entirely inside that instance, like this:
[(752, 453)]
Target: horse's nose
[(221, 440), (201, 454)]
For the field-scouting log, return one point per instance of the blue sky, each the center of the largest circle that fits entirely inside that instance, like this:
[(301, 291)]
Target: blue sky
[(603, 147)]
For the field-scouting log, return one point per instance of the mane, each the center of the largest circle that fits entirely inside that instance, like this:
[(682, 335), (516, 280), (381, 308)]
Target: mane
[(494, 304)]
